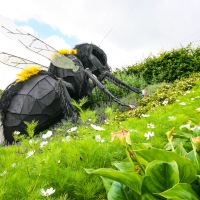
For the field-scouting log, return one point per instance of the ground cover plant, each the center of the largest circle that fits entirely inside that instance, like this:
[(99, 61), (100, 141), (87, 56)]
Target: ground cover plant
[(57, 160), (60, 163)]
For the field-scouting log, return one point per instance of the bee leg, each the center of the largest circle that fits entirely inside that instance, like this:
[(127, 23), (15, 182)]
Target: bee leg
[(117, 82), (68, 109), (103, 89)]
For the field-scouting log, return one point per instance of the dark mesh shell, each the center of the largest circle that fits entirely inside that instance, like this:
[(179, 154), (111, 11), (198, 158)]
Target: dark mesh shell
[(77, 79), (38, 99)]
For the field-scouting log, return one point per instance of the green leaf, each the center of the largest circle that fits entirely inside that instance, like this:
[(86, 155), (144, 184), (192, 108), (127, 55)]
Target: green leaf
[(187, 170), (179, 192), (107, 183), (159, 177), (180, 150), (132, 180), (124, 166), (116, 192)]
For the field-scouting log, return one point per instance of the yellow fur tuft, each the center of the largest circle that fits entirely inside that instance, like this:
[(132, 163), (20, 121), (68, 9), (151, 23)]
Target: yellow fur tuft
[(26, 73), (68, 51)]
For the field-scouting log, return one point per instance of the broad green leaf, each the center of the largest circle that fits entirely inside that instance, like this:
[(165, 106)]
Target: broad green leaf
[(150, 196), (124, 166), (180, 191), (116, 192), (160, 176), (107, 183), (180, 150), (187, 170), (132, 180), (195, 159), (142, 146)]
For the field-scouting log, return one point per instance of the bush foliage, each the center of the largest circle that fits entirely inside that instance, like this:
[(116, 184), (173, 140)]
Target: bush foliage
[(168, 66)]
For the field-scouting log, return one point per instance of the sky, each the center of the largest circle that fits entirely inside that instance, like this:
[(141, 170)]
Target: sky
[(127, 30)]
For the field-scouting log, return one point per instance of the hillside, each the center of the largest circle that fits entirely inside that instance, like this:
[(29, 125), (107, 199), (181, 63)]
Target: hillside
[(125, 147)]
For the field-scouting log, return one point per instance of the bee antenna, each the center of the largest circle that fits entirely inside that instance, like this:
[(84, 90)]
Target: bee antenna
[(105, 36)]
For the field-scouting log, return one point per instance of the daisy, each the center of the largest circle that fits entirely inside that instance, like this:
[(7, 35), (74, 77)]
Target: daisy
[(48, 192), (97, 128), (30, 153), (47, 135), (72, 129), (150, 125), (148, 135)]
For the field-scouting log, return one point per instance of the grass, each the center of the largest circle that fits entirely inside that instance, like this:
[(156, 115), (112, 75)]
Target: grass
[(61, 162)]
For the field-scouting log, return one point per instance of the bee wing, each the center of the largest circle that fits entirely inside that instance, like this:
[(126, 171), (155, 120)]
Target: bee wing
[(17, 62), (36, 45)]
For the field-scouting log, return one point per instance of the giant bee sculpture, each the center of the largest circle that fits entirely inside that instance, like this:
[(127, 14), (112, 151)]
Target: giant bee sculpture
[(45, 94)]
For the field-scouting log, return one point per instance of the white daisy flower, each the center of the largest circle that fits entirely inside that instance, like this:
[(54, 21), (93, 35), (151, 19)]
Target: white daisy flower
[(43, 143), (99, 139), (182, 103), (16, 132), (13, 165), (3, 173), (148, 135), (198, 109), (72, 129), (172, 118), (47, 135), (150, 125), (67, 138), (30, 153), (165, 102), (185, 126), (97, 128), (48, 192), (145, 115)]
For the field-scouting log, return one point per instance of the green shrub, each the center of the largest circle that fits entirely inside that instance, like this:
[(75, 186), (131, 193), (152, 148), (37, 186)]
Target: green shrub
[(168, 66)]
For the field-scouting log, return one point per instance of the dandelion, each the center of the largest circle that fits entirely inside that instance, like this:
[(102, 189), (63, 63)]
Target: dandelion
[(148, 135), (198, 109), (16, 132), (43, 143), (48, 192), (30, 153), (97, 128), (150, 125), (165, 102), (47, 135), (72, 129), (182, 103), (145, 115), (172, 118), (185, 126), (3, 173)]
